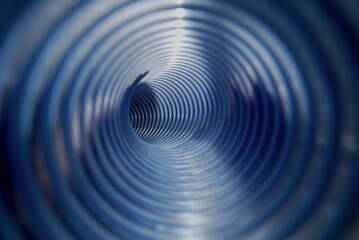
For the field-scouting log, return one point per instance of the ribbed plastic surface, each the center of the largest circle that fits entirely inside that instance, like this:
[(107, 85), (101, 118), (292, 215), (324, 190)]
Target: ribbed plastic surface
[(180, 120)]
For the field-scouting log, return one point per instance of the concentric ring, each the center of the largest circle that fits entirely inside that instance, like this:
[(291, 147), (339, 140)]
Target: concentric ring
[(180, 120)]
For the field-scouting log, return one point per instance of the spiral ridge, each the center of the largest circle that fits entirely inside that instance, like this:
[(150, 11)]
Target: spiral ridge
[(180, 120)]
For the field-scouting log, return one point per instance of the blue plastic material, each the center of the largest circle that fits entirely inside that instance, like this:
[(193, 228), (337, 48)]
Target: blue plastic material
[(179, 120)]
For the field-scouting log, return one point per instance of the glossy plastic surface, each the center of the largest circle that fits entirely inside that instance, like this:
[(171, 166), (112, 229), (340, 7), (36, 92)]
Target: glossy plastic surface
[(180, 120)]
